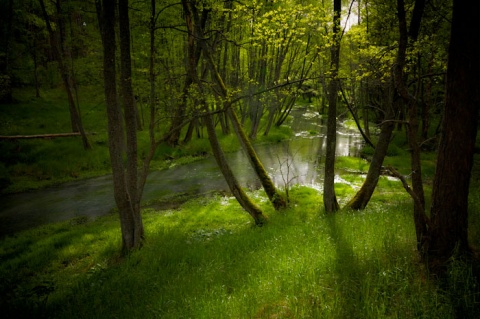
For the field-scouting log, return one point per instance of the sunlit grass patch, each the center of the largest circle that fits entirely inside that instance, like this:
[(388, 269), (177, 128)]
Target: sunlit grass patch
[(351, 164), (206, 259)]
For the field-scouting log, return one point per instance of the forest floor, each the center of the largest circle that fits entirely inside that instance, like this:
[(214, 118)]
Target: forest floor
[(204, 258)]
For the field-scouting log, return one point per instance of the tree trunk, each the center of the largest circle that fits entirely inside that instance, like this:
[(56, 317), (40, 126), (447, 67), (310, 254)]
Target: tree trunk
[(412, 104), (77, 125), (329, 197), (362, 197), (194, 25), (449, 210), (277, 200), (130, 122), (232, 182), (125, 196)]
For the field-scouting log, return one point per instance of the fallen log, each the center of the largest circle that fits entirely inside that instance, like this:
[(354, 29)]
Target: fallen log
[(46, 136)]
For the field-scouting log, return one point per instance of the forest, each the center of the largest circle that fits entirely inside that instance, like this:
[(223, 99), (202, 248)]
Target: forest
[(343, 135)]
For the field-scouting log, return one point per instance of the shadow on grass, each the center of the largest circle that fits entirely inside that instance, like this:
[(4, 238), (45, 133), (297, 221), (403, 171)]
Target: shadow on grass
[(349, 273), (374, 278), (170, 277), (29, 262)]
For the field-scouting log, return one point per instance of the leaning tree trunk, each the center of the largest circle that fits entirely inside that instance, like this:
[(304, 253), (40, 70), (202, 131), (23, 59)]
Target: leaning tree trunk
[(277, 200), (227, 173), (362, 197), (232, 182), (449, 210), (275, 197)]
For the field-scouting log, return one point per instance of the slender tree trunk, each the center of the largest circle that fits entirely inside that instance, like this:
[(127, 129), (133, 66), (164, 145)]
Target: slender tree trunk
[(362, 197), (232, 182), (218, 153), (66, 76), (194, 22), (35, 68), (130, 122), (412, 128), (126, 197), (449, 210), (151, 127), (329, 197), (277, 200), (275, 197)]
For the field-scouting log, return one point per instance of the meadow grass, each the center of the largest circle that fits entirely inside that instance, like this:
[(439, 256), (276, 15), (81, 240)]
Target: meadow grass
[(206, 259)]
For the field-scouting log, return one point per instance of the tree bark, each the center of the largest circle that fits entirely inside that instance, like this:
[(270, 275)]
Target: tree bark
[(125, 196), (130, 123), (449, 210), (329, 198), (274, 196), (412, 105), (362, 197), (232, 182)]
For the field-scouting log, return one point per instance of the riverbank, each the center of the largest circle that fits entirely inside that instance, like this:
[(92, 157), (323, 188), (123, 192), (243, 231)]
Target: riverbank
[(205, 259), (27, 165)]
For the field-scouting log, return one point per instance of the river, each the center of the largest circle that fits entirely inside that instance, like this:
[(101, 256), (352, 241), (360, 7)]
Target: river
[(299, 159)]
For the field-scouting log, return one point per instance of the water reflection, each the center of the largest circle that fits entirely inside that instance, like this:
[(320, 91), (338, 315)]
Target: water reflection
[(297, 161)]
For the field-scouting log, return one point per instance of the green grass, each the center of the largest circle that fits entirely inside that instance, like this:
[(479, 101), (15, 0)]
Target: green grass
[(207, 260)]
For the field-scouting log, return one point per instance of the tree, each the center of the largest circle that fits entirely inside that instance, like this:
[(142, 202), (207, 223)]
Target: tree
[(449, 209), (397, 100), (329, 197), (124, 174), (218, 153), (194, 21), (275, 197), (412, 104), (6, 23), (62, 56)]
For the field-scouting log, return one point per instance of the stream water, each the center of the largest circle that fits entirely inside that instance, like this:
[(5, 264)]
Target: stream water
[(299, 160)]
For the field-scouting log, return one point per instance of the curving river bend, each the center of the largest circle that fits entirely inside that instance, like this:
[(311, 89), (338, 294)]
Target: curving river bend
[(302, 156)]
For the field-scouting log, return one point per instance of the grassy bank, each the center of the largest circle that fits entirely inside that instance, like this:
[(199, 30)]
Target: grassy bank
[(32, 164), (205, 259)]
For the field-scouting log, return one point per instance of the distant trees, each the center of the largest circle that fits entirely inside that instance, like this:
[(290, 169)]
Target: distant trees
[(63, 55)]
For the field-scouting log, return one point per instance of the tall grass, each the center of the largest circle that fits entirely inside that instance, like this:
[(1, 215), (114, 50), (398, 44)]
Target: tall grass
[(207, 260)]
